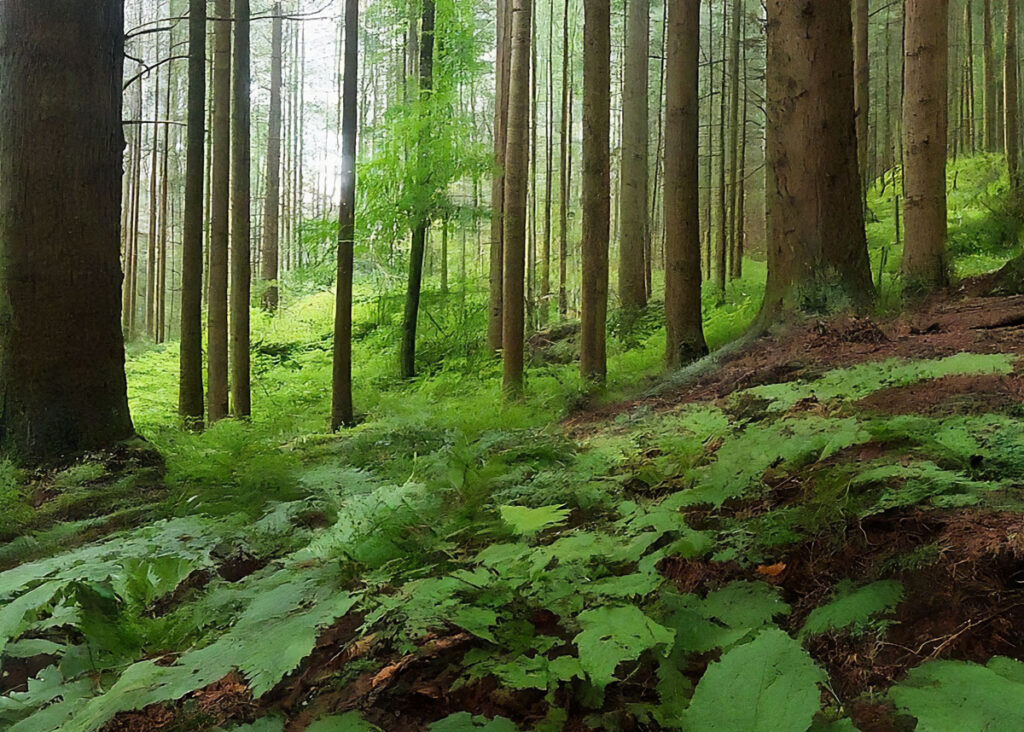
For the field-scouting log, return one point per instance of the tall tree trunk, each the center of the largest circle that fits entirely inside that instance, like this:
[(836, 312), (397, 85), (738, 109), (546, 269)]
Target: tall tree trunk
[(190, 387), (969, 135), (419, 234), (596, 186), (817, 247), (241, 216), (862, 85), (269, 259), (683, 319), (516, 184), (925, 113), (740, 228), (217, 304), (151, 237), (734, 190), (495, 320), (1010, 91), (549, 149), (633, 219), (992, 141), (565, 158), (721, 253), (62, 379), (342, 412)]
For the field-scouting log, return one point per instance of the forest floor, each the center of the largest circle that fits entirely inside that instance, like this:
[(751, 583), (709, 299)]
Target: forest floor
[(824, 529)]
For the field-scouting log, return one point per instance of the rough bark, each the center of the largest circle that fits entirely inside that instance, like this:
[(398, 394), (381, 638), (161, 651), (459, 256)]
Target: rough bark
[(62, 380), (992, 140), (241, 216), (683, 319), (817, 248), (565, 157), (217, 302), (190, 387), (270, 250), (495, 321), (516, 185), (925, 123), (1010, 94), (862, 84), (342, 411), (634, 178)]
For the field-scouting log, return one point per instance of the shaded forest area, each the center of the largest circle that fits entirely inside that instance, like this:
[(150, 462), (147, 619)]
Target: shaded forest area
[(449, 365)]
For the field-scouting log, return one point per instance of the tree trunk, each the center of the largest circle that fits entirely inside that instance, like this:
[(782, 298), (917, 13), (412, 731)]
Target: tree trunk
[(862, 84), (190, 387), (596, 187), (549, 150), (563, 173), (721, 253), (217, 303), (1010, 74), (342, 413), (241, 217), (62, 379), (633, 219), (992, 141), (683, 319), (734, 191), (495, 321), (516, 183), (419, 234), (817, 247), (925, 112), (151, 237), (270, 254)]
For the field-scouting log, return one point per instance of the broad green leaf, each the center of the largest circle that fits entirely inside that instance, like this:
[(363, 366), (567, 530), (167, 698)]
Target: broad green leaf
[(767, 685), (350, 722), (612, 635), (853, 608), (466, 722), (527, 521)]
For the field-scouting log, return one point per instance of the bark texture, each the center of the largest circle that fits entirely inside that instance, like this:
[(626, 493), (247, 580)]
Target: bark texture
[(1010, 95), (241, 217), (817, 248), (634, 179), (683, 319), (495, 323), (62, 380), (925, 123), (517, 171), (596, 186), (270, 251)]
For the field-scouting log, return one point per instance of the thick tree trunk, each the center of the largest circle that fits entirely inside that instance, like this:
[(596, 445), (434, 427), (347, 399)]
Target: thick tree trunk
[(62, 380), (342, 412), (925, 112), (496, 277), (817, 248), (683, 318), (633, 219), (241, 217), (516, 182), (419, 233), (1010, 92), (217, 303), (596, 186), (270, 251), (190, 387)]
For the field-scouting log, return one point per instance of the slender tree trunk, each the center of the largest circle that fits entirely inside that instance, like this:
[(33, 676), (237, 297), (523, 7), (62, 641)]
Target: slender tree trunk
[(862, 85), (734, 191), (596, 186), (190, 388), (217, 304), (721, 253), (272, 203), (683, 319), (342, 412), (241, 216), (62, 379), (151, 237), (1010, 91), (563, 173), (495, 321), (419, 234), (817, 247), (992, 141), (516, 184), (740, 231), (634, 178), (969, 135), (549, 149)]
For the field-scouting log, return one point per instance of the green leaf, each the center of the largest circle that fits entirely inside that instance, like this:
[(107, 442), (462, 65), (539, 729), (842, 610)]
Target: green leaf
[(853, 608), (612, 635), (767, 685), (466, 722), (350, 722), (953, 695), (526, 521)]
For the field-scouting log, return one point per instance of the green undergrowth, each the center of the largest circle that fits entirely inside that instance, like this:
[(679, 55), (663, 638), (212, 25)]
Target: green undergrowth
[(551, 556)]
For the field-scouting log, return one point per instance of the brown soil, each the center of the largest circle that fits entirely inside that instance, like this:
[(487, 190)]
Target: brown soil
[(940, 328)]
